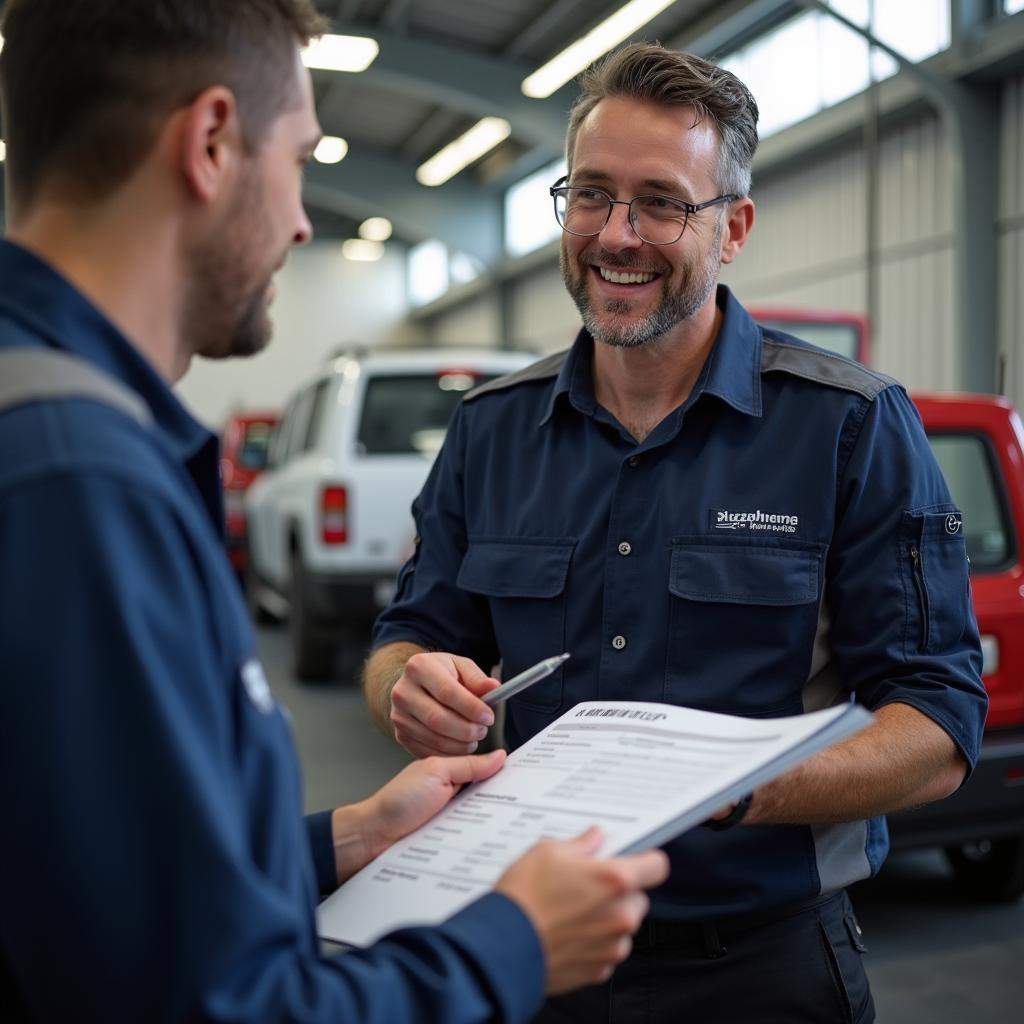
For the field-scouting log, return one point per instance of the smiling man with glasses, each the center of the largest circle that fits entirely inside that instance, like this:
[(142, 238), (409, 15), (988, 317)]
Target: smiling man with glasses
[(709, 513)]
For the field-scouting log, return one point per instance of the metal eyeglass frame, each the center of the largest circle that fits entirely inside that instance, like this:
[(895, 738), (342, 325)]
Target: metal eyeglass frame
[(687, 208)]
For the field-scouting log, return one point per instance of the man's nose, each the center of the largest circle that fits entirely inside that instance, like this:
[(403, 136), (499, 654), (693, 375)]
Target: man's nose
[(304, 229), (618, 233)]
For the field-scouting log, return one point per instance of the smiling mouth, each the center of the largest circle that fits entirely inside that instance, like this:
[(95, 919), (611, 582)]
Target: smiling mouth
[(626, 277)]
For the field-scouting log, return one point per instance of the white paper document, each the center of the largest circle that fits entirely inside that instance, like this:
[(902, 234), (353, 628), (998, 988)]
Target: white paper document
[(643, 772)]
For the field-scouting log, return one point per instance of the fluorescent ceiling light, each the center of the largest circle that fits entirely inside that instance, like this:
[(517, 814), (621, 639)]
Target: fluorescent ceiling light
[(330, 150), (375, 229), (599, 40), (3, 150), (362, 250), (1, 42), (480, 139), (340, 53)]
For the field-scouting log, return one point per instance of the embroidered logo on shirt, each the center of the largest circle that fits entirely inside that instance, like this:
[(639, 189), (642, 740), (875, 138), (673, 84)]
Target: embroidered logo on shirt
[(753, 522), (953, 523), (255, 683)]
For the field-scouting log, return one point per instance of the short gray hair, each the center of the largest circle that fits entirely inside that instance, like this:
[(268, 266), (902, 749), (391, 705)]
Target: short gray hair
[(650, 73)]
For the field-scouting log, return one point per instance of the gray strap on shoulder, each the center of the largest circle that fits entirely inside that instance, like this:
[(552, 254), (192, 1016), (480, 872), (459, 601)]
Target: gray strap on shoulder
[(39, 374)]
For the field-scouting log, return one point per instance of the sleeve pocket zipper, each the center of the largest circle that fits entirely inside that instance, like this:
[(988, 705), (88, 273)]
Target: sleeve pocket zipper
[(917, 572)]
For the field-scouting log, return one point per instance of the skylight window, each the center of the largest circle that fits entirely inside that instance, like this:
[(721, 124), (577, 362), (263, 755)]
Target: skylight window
[(814, 61), (428, 271), (529, 214)]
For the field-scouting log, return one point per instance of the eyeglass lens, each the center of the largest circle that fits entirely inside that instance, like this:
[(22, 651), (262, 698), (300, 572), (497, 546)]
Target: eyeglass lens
[(655, 219)]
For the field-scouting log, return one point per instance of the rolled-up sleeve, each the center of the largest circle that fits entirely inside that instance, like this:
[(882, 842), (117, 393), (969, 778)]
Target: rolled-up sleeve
[(898, 586)]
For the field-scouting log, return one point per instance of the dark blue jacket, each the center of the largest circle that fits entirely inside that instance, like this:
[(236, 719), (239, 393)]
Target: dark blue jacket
[(753, 555), (154, 863)]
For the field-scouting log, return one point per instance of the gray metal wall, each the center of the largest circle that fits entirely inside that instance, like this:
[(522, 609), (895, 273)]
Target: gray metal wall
[(1010, 229), (808, 247)]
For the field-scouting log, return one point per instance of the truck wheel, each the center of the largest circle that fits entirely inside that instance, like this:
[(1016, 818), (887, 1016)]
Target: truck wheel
[(989, 869), (251, 588), (312, 654)]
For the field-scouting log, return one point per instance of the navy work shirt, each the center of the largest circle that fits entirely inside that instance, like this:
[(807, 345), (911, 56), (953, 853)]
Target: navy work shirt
[(754, 555), (154, 864)]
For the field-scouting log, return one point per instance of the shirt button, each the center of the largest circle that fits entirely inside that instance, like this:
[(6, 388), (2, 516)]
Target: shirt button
[(618, 642), (634, 460), (625, 548)]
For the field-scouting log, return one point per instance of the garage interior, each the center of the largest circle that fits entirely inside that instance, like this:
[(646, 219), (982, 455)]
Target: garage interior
[(889, 185)]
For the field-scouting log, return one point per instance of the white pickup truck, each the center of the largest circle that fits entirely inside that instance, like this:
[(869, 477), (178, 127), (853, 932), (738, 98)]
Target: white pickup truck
[(329, 522)]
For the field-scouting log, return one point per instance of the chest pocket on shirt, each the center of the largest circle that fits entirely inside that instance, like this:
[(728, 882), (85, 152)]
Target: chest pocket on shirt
[(742, 622), (524, 582)]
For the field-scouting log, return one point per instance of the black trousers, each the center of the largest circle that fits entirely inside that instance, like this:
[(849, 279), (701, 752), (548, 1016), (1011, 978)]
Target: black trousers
[(797, 966)]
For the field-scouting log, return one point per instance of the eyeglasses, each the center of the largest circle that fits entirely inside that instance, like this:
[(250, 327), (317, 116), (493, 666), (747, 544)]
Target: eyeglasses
[(655, 219)]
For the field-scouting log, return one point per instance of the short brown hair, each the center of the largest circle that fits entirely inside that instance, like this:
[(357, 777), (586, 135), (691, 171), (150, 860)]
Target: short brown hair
[(86, 85), (651, 73)]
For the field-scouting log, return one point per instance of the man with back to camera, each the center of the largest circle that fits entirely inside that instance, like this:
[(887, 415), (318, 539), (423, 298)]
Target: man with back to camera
[(154, 864), (707, 513)]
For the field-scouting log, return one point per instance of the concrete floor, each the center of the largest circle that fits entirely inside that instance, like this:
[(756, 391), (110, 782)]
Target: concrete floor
[(933, 958)]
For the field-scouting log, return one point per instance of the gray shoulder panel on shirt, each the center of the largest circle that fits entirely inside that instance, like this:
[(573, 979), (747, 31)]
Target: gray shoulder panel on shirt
[(38, 374), (824, 367), (543, 369)]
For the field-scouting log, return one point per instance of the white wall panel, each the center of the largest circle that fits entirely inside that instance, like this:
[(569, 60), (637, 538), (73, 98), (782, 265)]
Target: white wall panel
[(807, 246), (544, 317), (475, 324), (915, 333), (915, 314), (323, 301), (1011, 313), (1011, 163)]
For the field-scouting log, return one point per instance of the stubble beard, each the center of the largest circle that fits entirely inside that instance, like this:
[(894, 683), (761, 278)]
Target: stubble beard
[(225, 310), (677, 303)]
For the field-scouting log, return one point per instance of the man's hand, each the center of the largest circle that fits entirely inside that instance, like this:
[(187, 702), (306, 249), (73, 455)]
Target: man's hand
[(422, 788), (436, 706), (364, 830), (585, 910)]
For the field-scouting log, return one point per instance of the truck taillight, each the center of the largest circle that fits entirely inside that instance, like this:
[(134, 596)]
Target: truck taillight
[(334, 515), (456, 380)]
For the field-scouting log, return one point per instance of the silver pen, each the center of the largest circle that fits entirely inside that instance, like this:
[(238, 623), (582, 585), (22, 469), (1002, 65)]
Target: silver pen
[(520, 682)]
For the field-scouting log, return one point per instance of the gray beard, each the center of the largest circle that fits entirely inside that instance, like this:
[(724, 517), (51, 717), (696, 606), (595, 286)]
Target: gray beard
[(676, 305)]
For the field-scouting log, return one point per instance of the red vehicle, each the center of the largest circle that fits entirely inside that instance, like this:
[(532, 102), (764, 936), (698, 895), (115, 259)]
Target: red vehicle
[(844, 333), (244, 444), (979, 443)]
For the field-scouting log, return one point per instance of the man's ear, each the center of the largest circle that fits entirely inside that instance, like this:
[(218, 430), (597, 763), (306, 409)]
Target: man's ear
[(737, 228), (210, 142)]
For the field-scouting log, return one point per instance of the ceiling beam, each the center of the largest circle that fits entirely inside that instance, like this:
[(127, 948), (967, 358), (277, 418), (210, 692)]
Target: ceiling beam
[(474, 84), (731, 24), (362, 185), (396, 16), (547, 20), (429, 130), (347, 10)]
